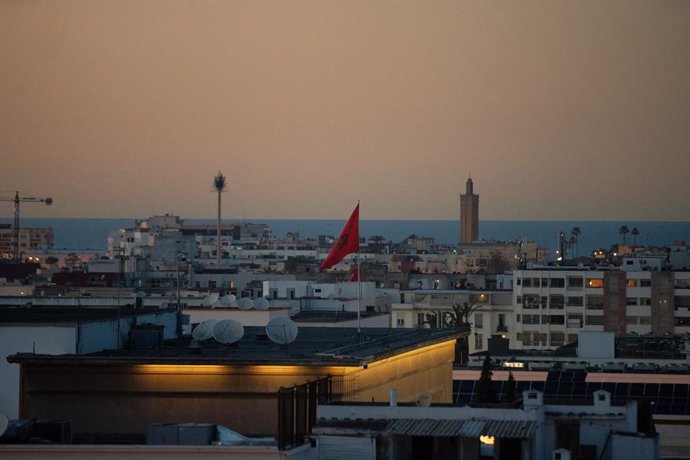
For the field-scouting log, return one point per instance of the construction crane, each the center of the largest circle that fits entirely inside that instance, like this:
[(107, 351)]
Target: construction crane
[(21, 199)]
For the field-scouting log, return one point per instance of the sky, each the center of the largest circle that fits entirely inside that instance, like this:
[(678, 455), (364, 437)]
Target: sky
[(558, 110)]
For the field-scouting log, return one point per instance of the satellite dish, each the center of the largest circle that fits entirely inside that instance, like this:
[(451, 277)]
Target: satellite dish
[(204, 331), (245, 303), (228, 331), (231, 298), (281, 330), (424, 400), (4, 423), (209, 300), (262, 303)]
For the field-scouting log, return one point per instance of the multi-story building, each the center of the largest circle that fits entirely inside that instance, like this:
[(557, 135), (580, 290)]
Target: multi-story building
[(553, 305), (29, 239), (492, 311)]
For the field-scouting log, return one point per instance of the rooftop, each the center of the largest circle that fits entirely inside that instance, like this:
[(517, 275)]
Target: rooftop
[(313, 346)]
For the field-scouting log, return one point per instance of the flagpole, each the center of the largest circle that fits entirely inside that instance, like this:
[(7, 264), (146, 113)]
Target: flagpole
[(359, 288)]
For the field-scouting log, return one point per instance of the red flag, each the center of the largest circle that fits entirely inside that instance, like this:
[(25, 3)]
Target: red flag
[(354, 276), (347, 243)]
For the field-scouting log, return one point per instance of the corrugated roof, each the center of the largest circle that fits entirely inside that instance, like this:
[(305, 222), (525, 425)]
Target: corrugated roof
[(463, 428)]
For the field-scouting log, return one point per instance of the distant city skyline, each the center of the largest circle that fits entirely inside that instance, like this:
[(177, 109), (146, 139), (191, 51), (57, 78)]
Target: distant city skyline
[(559, 110)]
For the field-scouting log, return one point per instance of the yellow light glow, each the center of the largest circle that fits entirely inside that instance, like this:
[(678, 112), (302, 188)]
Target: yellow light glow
[(515, 364), (234, 369), (407, 354), (488, 440)]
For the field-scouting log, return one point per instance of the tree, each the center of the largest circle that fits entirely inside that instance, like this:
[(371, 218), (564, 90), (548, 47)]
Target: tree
[(576, 235), (510, 395), (459, 316), (634, 233), (623, 231), (219, 184), (485, 389)]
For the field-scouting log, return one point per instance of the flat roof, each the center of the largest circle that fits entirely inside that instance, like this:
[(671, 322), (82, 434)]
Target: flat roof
[(313, 346), (59, 314)]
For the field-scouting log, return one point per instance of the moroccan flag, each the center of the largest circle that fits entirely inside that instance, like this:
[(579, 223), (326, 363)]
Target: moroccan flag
[(347, 243), (354, 276)]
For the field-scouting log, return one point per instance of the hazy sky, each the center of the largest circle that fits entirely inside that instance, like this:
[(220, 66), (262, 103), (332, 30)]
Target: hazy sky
[(576, 110)]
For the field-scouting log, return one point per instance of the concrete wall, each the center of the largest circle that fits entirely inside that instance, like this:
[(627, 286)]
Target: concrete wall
[(632, 447), (244, 317), (45, 339), (136, 452), (127, 399), (614, 303), (663, 306)]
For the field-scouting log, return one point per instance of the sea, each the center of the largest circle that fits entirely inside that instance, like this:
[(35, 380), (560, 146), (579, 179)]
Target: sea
[(92, 234)]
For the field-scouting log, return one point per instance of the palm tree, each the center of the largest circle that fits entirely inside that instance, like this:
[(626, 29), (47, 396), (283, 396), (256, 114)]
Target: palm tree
[(219, 184), (459, 316), (634, 233), (623, 231), (576, 233)]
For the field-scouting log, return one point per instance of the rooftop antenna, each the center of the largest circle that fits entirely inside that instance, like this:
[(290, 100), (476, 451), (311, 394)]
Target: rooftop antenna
[(282, 330)]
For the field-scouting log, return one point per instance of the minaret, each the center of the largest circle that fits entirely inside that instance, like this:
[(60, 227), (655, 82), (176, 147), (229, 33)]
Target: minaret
[(469, 214)]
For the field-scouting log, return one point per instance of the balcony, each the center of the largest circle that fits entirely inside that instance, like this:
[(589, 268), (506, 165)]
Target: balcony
[(502, 328)]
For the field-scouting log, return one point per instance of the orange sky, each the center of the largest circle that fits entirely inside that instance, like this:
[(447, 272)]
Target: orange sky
[(558, 110)]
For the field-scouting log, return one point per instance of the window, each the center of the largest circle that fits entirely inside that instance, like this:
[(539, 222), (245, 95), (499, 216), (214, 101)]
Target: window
[(595, 302), (595, 320), (557, 282), (645, 320), (531, 301), (556, 319), (556, 301), (478, 320), (595, 282), (645, 301), (530, 319), (401, 322), (631, 301), (557, 339), (575, 282), (575, 301), (631, 320), (645, 283), (517, 318), (631, 283), (518, 281), (478, 342)]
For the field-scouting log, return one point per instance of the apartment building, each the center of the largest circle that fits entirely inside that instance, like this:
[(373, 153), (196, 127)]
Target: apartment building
[(552, 305)]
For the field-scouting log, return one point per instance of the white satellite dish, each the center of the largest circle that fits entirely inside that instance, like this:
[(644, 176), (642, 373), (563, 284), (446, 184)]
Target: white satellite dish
[(245, 303), (4, 423), (228, 331), (209, 300), (231, 298), (262, 303), (204, 331), (281, 330)]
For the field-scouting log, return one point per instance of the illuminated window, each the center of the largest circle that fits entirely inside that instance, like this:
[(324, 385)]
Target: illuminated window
[(595, 282), (631, 283)]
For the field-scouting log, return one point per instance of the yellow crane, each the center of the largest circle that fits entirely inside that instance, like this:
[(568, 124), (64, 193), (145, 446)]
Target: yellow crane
[(21, 199)]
